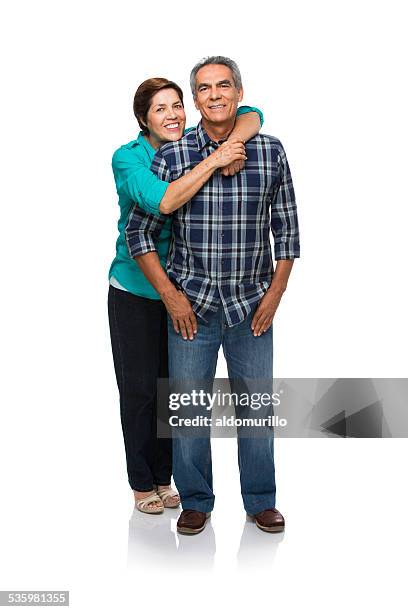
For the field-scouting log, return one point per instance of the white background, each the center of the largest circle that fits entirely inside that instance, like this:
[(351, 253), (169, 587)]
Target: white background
[(331, 80)]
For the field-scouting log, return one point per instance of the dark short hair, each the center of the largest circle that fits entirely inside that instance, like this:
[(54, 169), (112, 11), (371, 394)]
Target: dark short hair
[(143, 98)]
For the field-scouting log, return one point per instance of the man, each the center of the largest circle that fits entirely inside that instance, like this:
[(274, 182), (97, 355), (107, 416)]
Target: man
[(221, 286)]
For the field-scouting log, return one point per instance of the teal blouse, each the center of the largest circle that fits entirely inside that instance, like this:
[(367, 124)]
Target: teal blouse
[(137, 184)]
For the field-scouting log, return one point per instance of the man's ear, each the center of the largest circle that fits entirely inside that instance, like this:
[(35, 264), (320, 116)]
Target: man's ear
[(195, 102), (241, 94)]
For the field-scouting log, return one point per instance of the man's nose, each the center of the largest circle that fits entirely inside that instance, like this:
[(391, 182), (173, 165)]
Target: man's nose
[(215, 94)]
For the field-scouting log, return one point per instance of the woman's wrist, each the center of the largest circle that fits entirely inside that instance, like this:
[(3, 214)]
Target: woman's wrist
[(213, 160)]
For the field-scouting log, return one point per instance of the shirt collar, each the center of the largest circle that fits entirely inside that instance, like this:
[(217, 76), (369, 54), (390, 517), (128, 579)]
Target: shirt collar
[(203, 139), (142, 141)]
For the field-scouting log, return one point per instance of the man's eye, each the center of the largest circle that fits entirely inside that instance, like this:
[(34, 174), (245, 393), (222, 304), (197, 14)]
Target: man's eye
[(202, 89)]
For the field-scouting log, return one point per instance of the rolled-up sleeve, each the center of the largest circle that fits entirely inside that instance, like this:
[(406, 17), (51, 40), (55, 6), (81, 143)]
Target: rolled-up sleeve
[(143, 229), (136, 180), (242, 110), (284, 219)]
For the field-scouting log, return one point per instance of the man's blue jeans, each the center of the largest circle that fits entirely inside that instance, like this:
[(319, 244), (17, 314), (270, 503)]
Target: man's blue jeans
[(248, 357)]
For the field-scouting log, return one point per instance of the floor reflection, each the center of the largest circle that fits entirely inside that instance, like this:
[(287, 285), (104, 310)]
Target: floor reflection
[(197, 551), (153, 540), (257, 548)]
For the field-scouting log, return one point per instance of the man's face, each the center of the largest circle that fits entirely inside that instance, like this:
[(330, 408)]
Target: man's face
[(217, 97)]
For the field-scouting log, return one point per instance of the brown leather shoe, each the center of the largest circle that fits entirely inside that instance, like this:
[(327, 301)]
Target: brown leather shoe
[(192, 521), (269, 520)]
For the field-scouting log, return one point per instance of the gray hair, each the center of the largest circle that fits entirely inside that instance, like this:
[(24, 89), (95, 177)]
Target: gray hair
[(216, 59)]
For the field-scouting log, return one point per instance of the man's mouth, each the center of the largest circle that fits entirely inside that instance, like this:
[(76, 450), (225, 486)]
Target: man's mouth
[(172, 126), (217, 106)]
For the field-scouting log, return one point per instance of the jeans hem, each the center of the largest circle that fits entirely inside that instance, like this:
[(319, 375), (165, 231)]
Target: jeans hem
[(142, 489), (200, 507), (260, 507)]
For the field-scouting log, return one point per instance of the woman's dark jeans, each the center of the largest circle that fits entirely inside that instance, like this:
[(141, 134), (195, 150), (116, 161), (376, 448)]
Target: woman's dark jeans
[(138, 328)]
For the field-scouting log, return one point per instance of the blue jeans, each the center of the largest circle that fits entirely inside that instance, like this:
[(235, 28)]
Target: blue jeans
[(248, 357)]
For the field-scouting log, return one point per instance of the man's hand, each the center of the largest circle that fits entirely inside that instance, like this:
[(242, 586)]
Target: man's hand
[(264, 314), (181, 313), (263, 317)]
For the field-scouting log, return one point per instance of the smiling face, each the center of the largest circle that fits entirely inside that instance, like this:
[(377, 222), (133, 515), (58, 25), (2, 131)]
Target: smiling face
[(165, 118), (216, 96)]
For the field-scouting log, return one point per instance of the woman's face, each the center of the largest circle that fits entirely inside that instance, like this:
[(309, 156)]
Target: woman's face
[(166, 118)]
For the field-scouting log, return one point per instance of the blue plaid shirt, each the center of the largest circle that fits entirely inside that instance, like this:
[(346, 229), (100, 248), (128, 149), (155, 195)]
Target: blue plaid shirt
[(220, 250)]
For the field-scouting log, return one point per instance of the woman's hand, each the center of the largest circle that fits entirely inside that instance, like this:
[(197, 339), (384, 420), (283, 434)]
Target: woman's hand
[(179, 308), (230, 152), (233, 168)]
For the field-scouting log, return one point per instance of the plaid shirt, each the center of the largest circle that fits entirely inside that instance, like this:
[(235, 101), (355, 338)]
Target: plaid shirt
[(220, 250)]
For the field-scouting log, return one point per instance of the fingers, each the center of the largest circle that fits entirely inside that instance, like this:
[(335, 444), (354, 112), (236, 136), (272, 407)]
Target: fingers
[(238, 149), (228, 170), (193, 320), (261, 322), (233, 168), (187, 326), (183, 316), (229, 153), (233, 148), (175, 325), (239, 156), (183, 328), (237, 166)]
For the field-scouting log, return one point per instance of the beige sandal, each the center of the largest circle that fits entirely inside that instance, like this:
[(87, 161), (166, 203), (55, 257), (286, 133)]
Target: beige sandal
[(164, 494), (143, 504)]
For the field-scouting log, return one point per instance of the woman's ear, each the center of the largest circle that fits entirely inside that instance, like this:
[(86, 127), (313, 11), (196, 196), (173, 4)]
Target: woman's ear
[(142, 121)]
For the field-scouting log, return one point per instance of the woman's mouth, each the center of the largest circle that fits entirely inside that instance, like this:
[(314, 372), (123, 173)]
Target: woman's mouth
[(172, 127)]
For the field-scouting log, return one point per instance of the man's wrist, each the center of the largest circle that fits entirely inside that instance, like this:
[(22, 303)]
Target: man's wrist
[(277, 288)]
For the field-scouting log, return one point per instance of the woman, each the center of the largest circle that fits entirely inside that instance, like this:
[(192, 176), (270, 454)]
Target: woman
[(137, 316)]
